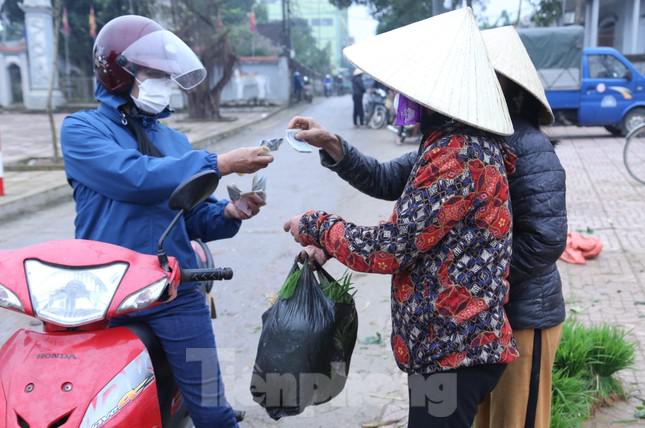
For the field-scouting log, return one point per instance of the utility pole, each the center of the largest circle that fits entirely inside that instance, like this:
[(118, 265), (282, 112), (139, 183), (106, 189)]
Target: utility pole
[(286, 26)]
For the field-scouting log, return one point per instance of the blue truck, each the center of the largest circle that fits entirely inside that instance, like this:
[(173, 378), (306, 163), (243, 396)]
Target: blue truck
[(586, 86)]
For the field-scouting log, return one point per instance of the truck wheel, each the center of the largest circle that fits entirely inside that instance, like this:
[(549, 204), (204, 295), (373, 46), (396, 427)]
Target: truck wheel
[(614, 130), (633, 119)]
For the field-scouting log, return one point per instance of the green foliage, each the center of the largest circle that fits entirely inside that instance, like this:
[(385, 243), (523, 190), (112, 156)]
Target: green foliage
[(247, 43), (599, 350), (289, 286), (571, 401), (573, 352), (339, 291), (306, 50), (392, 14), (547, 12), (80, 41), (584, 368), (611, 351), (12, 21)]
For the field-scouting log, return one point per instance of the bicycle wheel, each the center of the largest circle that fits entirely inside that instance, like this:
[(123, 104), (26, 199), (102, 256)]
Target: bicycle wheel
[(634, 154)]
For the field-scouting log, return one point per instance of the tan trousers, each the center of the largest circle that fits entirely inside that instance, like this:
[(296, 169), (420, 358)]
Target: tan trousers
[(522, 398)]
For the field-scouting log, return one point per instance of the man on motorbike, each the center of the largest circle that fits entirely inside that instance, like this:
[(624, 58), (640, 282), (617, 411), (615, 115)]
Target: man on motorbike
[(123, 165)]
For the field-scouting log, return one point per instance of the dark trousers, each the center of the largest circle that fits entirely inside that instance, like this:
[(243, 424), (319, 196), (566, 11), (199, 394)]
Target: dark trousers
[(186, 333), (449, 399), (358, 109)]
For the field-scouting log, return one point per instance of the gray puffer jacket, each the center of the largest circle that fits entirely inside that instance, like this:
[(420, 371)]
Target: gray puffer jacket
[(539, 217)]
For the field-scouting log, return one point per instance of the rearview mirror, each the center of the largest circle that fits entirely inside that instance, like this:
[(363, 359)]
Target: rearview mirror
[(628, 75), (194, 191), (186, 196)]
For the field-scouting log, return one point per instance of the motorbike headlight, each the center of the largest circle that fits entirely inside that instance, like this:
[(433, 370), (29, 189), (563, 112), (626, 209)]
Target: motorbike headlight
[(9, 300), (143, 298), (70, 296), (124, 388)]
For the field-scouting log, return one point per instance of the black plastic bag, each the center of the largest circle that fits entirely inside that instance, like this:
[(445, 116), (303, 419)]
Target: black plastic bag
[(305, 348)]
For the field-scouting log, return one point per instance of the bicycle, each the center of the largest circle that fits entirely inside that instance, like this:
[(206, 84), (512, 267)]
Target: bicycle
[(634, 153)]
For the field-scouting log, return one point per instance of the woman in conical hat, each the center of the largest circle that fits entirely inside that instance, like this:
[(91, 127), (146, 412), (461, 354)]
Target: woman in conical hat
[(536, 307), (447, 243)]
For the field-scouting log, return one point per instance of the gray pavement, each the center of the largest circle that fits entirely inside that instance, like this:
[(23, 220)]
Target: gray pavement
[(601, 196)]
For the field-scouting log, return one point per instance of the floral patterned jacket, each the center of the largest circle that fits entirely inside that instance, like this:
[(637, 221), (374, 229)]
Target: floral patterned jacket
[(448, 248)]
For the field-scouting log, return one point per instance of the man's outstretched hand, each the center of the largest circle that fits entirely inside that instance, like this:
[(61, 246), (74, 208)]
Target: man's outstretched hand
[(243, 160), (253, 204)]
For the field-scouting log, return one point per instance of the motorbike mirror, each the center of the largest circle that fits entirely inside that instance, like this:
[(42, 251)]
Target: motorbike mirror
[(193, 191), (185, 197)]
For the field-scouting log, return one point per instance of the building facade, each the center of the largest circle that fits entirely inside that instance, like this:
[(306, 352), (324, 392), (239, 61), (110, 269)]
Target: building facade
[(329, 25), (613, 23)]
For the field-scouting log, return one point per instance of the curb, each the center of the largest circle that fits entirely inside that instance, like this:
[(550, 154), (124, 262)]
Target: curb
[(60, 193), (30, 203)]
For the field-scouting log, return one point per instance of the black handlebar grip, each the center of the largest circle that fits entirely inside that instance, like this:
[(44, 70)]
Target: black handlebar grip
[(215, 274)]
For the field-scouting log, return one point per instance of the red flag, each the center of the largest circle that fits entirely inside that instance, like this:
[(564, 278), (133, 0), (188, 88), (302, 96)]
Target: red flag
[(66, 31), (252, 21), (92, 22)]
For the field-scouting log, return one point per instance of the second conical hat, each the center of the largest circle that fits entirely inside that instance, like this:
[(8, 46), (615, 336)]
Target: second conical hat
[(442, 64), (510, 58)]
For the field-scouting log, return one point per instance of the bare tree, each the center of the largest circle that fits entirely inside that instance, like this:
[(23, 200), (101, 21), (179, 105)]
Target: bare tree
[(201, 23)]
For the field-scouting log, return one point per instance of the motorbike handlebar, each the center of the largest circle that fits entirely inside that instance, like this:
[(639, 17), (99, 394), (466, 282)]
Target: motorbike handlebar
[(215, 274)]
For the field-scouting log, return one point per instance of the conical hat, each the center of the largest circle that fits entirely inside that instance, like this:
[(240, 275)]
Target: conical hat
[(442, 64), (510, 58)]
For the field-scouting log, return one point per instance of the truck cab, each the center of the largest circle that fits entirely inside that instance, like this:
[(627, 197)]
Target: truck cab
[(612, 93), (586, 87)]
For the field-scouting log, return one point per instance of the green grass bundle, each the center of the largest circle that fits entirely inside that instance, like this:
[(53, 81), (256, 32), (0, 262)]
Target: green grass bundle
[(289, 286), (573, 353), (584, 368), (338, 291), (611, 351), (571, 404)]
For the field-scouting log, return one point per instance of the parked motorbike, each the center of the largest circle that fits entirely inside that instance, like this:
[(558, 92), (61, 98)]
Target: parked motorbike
[(77, 371), (403, 132), (376, 113), (406, 132)]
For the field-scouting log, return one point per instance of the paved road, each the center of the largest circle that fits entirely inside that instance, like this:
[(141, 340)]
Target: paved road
[(600, 196), (261, 255)]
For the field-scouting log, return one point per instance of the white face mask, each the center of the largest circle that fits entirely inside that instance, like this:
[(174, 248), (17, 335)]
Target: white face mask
[(154, 95)]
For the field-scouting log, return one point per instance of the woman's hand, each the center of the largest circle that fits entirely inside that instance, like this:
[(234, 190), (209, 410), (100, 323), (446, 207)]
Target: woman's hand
[(313, 134), (292, 226), (243, 160), (314, 254)]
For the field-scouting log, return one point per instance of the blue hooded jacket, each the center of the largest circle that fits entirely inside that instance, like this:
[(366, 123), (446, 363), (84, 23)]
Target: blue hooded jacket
[(122, 195)]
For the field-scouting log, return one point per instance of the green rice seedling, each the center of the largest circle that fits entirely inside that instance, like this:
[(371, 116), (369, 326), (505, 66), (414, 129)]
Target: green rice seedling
[(611, 350), (571, 404), (607, 389), (339, 291), (572, 356), (289, 286)]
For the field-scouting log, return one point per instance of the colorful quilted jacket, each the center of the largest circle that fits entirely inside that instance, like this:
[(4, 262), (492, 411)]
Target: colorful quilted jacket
[(447, 246)]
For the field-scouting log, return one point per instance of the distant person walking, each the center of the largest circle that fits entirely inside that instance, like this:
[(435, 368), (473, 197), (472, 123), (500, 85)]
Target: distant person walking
[(358, 89), (297, 86)]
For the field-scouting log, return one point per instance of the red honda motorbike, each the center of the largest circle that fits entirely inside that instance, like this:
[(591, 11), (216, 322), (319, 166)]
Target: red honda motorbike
[(78, 372)]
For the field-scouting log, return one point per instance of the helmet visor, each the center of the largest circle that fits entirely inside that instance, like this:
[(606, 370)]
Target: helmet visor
[(164, 51)]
